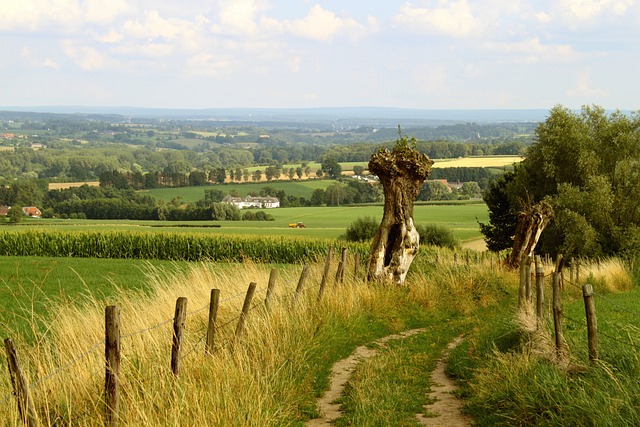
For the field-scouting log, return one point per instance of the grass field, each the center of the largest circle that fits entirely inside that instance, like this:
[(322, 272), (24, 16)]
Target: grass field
[(320, 222), (29, 285), (303, 188)]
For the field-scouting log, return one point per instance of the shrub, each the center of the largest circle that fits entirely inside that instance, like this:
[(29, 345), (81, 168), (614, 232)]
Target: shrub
[(362, 229), (437, 235)]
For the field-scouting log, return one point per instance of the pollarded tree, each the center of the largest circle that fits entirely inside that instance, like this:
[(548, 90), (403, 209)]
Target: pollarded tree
[(401, 172)]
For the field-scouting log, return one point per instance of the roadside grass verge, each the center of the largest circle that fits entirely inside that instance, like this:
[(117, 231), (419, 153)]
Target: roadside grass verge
[(510, 381), (271, 377)]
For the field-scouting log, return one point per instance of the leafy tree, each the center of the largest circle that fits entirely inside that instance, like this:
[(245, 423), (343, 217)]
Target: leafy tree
[(358, 170), (331, 168), (15, 215), (317, 197), (220, 175)]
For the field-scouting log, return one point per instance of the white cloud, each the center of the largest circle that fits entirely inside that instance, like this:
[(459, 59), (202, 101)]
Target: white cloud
[(588, 10), (152, 50), (50, 63), (450, 18), (532, 51), (111, 37), (208, 65), (85, 57), (584, 88), (319, 24), (35, 60), (238, 16), (154, 26), (33, 15)]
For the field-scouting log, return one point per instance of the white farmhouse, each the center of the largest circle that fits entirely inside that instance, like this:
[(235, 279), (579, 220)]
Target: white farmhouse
[(252, 202)]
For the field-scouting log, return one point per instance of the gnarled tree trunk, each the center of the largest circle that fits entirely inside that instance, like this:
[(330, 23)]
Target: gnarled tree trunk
[(531, 223), (402, 172)]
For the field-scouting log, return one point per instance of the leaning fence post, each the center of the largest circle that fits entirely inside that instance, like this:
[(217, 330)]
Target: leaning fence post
[(356, 265), (325, 273), (539, 290), (20, 387), (557, 315), (301, 281), (112, 369), (527, 280), (214, 303), (245, 310), (522, 290), (592, 322), (179, 320), (272, 283), (344, 264)]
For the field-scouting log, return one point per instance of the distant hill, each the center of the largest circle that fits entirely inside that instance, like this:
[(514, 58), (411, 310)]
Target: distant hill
[(373, 116)]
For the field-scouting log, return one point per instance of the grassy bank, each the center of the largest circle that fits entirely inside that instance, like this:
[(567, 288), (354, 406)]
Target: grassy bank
[(513, 377)]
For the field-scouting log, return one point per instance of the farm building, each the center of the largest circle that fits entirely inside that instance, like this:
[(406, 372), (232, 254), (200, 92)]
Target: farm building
[(252, 202), (31, 211)]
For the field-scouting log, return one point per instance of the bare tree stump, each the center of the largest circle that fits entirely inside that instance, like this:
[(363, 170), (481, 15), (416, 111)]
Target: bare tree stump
[(401, 171)]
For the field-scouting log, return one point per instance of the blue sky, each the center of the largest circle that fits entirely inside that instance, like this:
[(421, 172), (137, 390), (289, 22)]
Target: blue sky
[(430, 54)]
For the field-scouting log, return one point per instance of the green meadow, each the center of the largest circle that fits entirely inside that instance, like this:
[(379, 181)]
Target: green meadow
[(302, 188)]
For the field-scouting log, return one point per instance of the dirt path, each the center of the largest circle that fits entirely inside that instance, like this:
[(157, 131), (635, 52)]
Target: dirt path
[(446, 405), (341, 371)]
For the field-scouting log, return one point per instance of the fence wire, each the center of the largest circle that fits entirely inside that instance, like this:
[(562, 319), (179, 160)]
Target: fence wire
[(167, 321)]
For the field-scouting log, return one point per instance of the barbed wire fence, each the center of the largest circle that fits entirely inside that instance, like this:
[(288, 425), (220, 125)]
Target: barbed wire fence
[(560, 284), (23, 395)]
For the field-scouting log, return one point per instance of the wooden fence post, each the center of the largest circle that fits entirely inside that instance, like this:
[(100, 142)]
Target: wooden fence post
[(179, 320), (528, 284), (522, 290), (572, 270), (356, 266), (344, 264), (245, 310), (325, 273), (339, 272), (301, 282), (559, 264), (214, 303), (557, 315), (112, 367), (272, 283), (592, 322), (21, 389), (539, 290)]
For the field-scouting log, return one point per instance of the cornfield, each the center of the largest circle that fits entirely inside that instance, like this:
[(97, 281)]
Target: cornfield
[(167, 246)]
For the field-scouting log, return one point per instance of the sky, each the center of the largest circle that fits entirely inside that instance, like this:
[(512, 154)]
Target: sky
[(426, 54)]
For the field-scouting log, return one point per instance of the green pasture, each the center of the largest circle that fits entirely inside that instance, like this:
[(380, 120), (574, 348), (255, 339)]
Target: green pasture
[(295, 188), (320, 222), (29, 285)]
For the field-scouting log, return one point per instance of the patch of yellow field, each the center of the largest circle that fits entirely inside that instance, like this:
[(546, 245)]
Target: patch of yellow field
[(482, 162), (63, 185)]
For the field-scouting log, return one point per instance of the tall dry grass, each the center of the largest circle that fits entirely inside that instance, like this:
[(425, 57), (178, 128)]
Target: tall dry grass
[(268, 378)]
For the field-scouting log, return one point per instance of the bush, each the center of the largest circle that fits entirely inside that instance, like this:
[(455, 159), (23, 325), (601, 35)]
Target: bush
[(437, 235), (362, 229)]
